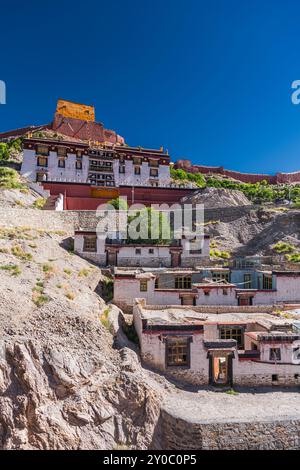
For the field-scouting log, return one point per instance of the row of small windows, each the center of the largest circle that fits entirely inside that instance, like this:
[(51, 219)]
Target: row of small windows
[(61, 163), (43, 161), (137, 171), (61, 151)]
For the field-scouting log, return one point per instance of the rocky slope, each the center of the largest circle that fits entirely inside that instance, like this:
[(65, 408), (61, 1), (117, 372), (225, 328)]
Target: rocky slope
[(216, 197), (62, 384)]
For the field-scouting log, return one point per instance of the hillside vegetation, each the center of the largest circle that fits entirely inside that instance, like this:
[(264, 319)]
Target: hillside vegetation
[(256, 192)]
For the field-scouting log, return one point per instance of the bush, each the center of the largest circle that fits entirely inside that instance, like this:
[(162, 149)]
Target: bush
[(283, 247), (4, 151), (294, 258), (10, 179), (39, 203), (18, 252), (12, 268), (215, 253)]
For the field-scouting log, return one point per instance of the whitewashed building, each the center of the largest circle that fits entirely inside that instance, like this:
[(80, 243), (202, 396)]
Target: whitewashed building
[(182, 287), (252, 349), (105, 165)]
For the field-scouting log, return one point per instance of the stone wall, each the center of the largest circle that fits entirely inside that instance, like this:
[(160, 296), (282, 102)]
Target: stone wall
[(179, 434)]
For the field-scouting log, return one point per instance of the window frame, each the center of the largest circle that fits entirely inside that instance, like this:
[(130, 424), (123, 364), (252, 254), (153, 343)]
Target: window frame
[(143, 285), (87, 247), (275, 354), (42, 158), (177, 348), (183, 282)]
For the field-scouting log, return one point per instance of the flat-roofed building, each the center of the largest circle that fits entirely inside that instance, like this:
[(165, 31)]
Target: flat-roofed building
[(186, 343)]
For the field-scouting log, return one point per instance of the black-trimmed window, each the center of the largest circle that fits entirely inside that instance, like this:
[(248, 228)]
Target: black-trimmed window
[(177, 352), (156, 285), (42, 161), (143, 285), (154, 172), (137, 170), (78, 165), (122, 169), (138, 251), (216, 276), (247, 281), (42, 150), (275, 354), (61, 163), (233, 333), (183, 282), (62, 151), (267, 282), (90, 243)]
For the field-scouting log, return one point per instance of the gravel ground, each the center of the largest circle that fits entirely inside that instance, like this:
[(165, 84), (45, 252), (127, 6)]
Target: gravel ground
[(248, 405)]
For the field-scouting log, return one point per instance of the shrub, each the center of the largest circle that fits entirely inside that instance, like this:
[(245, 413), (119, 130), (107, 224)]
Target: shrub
[(47, 268), (12, 268), (4, 151), (10, 179), (104, 318), (294, 258), (83, 272), (39, 203), (68, 271), (215, 253), (283, 247), (39, 299), (70, 295), (18, 252)]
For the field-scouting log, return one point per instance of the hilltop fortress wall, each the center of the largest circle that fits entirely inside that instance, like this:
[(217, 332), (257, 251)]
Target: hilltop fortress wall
[(278, 178)]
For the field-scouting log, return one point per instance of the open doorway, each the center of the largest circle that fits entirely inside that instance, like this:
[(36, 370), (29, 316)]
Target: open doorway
[(220, 369)]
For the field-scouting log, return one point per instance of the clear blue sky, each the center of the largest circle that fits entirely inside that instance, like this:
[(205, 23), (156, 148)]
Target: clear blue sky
[(209, 80)]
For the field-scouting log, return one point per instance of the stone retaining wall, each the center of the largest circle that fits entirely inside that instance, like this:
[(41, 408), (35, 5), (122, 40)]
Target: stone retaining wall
[(179, 434)]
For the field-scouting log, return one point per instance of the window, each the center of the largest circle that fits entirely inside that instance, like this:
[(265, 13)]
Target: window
[(137, 161), (275, 354), (156, 286), (247, 281), (151, 251), (41, 177), (61, 163), (232, 333), (137, 251), (62, 151), (207, 293), (137, 170), (177, 352), (216, 276), (275, 378), (78, 165), (143, 285), (122, 169), (42, 150), (183, 282), (267, 282), (154, 172), (79, 154), (90, 243), (225, 292), (42, 161)]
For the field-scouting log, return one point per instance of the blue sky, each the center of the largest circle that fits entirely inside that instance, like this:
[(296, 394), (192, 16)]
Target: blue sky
[(209, 80)]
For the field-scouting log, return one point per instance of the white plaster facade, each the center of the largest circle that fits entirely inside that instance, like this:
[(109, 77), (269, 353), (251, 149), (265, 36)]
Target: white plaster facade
[(256, 371), (70, 173)]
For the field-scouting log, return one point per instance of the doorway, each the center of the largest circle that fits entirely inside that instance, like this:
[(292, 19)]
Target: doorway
[(112, 259), (220, 365)]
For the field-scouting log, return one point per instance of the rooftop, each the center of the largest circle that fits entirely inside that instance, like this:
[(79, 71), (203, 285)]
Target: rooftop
[(189, 315)]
